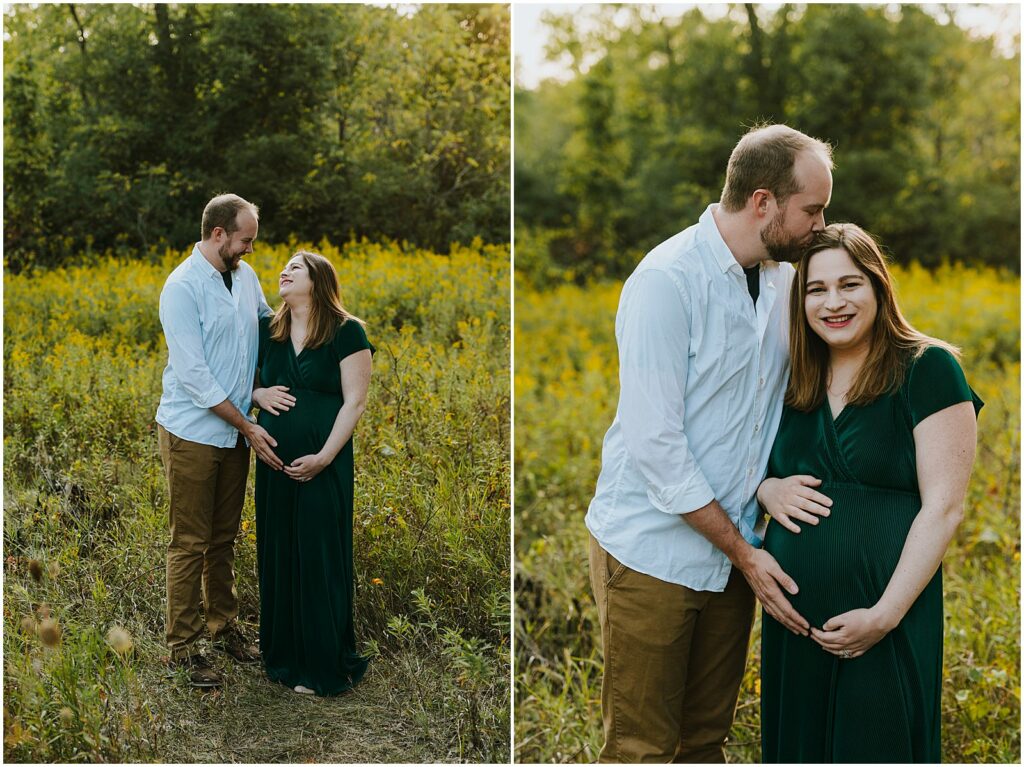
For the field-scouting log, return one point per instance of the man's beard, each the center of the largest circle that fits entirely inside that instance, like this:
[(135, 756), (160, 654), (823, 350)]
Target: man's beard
[(780, 247), (230, 259)]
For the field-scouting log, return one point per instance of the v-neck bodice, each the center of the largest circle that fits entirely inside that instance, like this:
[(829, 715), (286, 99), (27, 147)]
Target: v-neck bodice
[(311, 369), (873, 444)]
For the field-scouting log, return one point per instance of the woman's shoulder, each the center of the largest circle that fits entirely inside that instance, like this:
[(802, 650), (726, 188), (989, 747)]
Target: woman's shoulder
[(936, 380), (350, 337), (933, 362)]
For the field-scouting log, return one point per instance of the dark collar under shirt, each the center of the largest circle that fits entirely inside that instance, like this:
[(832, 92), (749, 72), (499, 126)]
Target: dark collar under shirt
[(754, 281), (226, 274)]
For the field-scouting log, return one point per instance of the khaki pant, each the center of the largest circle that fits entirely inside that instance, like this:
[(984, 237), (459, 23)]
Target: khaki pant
[(207, 488), (673, 663)]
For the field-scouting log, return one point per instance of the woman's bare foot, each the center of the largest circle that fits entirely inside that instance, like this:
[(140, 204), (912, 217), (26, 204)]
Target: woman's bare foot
[(304, 690)]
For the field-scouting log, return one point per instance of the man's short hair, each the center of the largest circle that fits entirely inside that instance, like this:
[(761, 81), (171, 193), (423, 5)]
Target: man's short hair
[(223, 211), (763, 159)]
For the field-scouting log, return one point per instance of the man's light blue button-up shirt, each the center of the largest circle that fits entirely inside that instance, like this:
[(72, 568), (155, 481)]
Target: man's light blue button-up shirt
[(701, 381), (212, 340)]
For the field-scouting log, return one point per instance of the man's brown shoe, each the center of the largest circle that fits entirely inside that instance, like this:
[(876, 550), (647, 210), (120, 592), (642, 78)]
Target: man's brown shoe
[(233, 642), (200, 672)]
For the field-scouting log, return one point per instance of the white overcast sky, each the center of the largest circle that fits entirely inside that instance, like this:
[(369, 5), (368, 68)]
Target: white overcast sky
[(530, 35)]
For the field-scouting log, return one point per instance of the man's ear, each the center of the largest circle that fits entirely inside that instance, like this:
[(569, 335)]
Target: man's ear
[(762, 200)]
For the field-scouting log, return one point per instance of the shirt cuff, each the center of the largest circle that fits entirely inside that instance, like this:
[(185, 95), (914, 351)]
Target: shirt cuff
[(207, 399), (693, 494)]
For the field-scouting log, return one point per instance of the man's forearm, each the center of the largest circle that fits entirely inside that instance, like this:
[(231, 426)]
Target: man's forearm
[(713, 523), (228, 412), (758, 566)]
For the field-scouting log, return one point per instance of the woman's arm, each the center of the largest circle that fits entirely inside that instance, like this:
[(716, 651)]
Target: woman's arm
[(945, 442), (355, 382)]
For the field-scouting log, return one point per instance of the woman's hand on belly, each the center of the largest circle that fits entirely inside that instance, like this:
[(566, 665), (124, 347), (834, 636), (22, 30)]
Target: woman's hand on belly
[(793, 498), (273, 399), (305, 468), (852, 633)]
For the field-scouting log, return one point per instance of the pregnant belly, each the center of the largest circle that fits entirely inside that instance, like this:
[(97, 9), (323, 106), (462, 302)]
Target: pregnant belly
[(847, 559), (304, 429)]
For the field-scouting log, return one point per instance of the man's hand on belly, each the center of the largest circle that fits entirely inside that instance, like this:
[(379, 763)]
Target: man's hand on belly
[(263, 444)]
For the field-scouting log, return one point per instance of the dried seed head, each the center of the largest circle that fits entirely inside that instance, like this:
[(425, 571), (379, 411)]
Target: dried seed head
[(49, 632), (35, 569), (28, 626), (43, 611), (53, 570), (67, 716), (120, 640)]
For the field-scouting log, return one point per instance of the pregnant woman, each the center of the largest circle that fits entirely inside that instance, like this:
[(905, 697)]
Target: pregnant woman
[(314, 365), (883, 416)]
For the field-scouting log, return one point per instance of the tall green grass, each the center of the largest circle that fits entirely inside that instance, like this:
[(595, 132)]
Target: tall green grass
[(85, 498)]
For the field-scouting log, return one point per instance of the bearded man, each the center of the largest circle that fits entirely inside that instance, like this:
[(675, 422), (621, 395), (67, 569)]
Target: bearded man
[(210, 308)]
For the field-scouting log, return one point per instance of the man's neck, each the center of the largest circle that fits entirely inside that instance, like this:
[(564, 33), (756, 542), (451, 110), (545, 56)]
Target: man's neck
[(740, 236), (206, 248)]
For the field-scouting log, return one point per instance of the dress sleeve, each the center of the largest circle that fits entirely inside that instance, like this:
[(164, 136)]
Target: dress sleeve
[(349, 339), (935, 382)]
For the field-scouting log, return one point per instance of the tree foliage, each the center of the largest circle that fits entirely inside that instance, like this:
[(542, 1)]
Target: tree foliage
[(121, 121), (923, 115)]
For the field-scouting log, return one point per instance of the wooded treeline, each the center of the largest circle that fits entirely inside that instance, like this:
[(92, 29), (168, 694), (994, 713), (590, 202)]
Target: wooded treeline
[(923, 115), (121, 121)]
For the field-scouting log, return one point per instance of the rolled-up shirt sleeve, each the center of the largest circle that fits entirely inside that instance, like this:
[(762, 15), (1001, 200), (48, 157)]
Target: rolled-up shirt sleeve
[(179, 316), (653, 334)]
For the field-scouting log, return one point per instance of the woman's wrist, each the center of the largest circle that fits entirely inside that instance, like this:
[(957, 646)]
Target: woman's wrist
[(886, 616), (765, 485)]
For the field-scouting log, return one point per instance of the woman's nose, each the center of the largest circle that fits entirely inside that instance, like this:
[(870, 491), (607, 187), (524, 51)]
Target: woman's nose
[(834, 299)]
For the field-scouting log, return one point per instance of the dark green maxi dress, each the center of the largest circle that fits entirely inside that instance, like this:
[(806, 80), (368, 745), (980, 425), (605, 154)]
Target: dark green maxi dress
[(304, 529), (884, 705)]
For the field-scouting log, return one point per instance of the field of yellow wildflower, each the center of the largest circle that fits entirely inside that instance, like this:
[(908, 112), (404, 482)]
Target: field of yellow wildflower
[(565, 395), (85, 518)]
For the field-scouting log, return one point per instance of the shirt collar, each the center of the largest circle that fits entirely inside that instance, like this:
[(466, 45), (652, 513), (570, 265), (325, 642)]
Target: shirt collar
[(205, 266), (723, 256)]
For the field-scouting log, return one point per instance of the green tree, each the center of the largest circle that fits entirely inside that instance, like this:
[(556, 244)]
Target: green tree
[(336, 120)]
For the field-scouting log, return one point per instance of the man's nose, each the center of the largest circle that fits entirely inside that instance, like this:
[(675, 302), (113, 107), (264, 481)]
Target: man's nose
[(819, 222)]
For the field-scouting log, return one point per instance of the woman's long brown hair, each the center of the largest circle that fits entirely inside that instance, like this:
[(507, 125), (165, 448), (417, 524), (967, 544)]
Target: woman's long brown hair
[(894, 341), (325, 311)]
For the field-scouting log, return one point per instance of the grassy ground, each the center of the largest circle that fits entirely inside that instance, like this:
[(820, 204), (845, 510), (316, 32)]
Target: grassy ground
[(85, 526), (566, 391)]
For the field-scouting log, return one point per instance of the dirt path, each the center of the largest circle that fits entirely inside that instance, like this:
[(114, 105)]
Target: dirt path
[(253, 720)]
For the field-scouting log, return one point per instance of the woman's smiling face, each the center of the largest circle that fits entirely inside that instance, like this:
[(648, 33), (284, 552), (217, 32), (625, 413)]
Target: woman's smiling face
[(295, 282), (839, 300)]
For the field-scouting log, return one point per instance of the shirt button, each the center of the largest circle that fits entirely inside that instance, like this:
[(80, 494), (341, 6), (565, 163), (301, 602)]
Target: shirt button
[(761, 382), (757, 428)]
